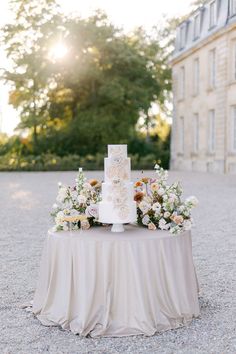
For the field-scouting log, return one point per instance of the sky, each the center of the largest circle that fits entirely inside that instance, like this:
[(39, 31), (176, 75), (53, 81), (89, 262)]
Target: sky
[(124, 13)]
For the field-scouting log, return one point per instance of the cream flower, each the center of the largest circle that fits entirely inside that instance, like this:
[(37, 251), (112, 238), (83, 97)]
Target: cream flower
[(62, 194), (166, 214), (156, 206), (187, 224), (163, 225), (92, 211), (84, 225), (145, 220), (87, 186), (144, 207), (192, 200), (161, 191), (81, 199)]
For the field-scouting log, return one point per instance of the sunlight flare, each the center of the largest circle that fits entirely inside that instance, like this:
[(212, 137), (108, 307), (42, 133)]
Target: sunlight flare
[(59, 51)]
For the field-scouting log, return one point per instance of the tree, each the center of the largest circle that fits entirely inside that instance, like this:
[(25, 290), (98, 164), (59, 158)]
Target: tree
[(28, 75), (94, 95), (109, 79)]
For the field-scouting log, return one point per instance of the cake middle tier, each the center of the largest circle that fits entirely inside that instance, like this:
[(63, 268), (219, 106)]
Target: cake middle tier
[(117, 192), (118, 205), (117, 168)]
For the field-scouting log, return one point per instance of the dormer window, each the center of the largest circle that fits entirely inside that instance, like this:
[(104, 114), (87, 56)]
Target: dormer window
[(232, 7), (213, 13), (182, 36), (196, 26)]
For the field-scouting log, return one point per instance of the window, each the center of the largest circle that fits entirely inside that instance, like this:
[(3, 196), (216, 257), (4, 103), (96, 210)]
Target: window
[(182, 82), (211, 131), (232, 7), (181, 135), (213, 13), (233, 128), (195, 132), (196, 26), (182, 36), (196, 76), (212, 68)]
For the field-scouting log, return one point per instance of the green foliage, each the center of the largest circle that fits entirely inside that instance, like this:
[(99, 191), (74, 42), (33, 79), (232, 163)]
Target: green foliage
[(72, 107), (52, 162)]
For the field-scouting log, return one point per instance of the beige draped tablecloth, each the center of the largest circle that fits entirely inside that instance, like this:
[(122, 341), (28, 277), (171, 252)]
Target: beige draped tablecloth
[(107, 284)]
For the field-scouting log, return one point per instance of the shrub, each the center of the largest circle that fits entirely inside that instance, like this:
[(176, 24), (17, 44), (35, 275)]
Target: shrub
[(52, 162)]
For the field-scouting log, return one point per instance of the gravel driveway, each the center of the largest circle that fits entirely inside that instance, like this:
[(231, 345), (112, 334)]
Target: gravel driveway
[(25, 201)]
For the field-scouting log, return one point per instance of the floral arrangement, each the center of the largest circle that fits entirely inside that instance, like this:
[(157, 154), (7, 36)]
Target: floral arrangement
[(160, 205), (76, 206)]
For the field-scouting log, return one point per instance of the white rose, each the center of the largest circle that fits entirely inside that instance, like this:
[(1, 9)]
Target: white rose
[(60, 215), (73, 194), (192, 200), (186, 213), (87, 186), (145, 220), (156, 206), (172, 198), (157, 213), (92, 211), (81, 199), (74, 212), (187, 224), (62, 194), (161, 191), (68, 204), (144, 207), (163, 225), (166, 214)]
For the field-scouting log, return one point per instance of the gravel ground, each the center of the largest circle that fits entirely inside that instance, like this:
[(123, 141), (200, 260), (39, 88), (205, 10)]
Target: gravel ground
[(25, 201)]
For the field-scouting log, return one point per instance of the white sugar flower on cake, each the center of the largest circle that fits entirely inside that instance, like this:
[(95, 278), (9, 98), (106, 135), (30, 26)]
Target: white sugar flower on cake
[(117, 205)]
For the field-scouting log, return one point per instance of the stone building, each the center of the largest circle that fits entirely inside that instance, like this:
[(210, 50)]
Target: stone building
[(204, 89)]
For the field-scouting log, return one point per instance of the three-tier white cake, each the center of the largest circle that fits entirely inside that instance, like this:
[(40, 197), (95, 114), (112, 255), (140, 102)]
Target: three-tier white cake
[(117, 206)]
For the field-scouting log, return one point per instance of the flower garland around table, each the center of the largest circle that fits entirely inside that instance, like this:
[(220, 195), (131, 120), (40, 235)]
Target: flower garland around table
[(77, 206), (160, 205)]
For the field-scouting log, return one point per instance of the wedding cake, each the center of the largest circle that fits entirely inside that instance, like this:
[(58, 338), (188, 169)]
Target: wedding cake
[(117, 206)]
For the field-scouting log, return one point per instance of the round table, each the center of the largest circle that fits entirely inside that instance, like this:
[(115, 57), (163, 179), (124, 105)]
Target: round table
[(104, 284)]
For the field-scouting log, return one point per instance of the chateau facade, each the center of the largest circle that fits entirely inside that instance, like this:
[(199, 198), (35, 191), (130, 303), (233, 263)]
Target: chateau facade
[(204, 90)]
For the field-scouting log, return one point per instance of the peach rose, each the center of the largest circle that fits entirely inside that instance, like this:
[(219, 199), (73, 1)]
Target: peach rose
[(151, 226), (154, 187), (178, 219)]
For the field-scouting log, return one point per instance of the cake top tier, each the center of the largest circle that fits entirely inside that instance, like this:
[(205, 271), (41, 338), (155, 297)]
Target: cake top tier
[(117, 150)]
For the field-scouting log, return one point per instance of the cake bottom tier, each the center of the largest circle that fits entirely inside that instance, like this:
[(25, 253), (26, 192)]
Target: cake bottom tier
[(123, 214)]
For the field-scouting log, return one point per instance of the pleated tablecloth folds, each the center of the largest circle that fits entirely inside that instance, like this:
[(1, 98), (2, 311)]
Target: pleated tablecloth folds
[(100, 283)]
